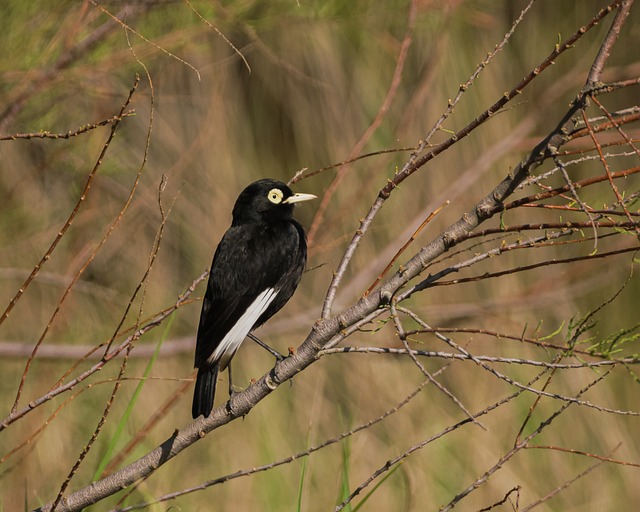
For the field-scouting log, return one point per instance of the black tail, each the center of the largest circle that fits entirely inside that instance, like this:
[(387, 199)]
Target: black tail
[(204, 392)]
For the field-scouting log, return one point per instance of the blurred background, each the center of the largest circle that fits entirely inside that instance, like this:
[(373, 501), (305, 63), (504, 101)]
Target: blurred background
[(300, 91)]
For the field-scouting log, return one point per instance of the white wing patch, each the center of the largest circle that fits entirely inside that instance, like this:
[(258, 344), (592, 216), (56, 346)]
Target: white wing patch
[(236, 335)]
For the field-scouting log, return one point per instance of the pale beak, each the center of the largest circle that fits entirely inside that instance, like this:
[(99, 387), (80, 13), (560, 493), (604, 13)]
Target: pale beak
[(298, 198)]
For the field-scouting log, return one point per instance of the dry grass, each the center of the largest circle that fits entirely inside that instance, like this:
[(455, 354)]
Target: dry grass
[(319, 73)]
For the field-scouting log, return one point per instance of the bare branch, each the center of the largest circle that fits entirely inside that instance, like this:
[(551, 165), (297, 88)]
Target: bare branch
[(146, 327), (56, 241), (595, 75)]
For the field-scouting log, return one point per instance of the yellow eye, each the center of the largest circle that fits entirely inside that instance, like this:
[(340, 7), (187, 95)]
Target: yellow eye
[(275, 195)]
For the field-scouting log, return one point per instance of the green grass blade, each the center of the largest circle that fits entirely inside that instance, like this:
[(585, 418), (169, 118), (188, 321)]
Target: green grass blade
[(375, 488), (305, 461), (344, 487), (115, 438)]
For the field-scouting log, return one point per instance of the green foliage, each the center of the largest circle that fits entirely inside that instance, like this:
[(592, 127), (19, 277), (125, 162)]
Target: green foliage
[(616, 343)]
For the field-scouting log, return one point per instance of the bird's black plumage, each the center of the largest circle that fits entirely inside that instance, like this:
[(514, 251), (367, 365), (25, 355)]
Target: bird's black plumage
[(255, 270)]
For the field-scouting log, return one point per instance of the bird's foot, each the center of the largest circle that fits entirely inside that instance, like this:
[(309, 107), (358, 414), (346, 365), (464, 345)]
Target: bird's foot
[(234, 390), (279, 357), (230, 409)]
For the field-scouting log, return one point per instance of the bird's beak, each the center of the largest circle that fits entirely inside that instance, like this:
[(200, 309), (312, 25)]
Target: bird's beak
[(298, 198)]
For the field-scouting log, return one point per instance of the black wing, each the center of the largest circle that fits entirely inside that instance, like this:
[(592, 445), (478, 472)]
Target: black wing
[(248, 260)]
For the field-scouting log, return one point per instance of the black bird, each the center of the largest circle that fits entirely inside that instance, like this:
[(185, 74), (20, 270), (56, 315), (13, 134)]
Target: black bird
[(256, 268)]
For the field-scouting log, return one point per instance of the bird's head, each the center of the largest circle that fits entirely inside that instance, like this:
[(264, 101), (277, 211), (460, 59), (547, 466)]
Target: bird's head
[(266, 200)]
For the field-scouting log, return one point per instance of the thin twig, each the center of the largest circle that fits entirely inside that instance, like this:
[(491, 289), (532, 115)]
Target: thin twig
[(595, 75), (396, 80), (128, 28), (156, 320), (403, 338), (514, 382), (561, 487), (116, 388), (57, 239), (66, 58), (518, 446), (392, 462), (224, 38), (67, 135), (404, 247), (631, 360), (286, 460), (415, 162)]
